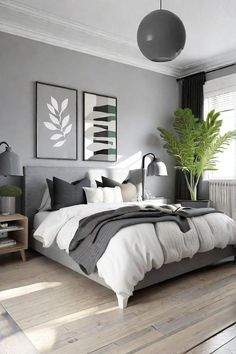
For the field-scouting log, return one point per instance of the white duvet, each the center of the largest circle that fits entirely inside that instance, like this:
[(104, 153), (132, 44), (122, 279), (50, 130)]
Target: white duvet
[(137, 249)]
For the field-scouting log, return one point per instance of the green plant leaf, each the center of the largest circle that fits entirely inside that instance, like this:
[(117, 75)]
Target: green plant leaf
[(195, 144), (10, 191)]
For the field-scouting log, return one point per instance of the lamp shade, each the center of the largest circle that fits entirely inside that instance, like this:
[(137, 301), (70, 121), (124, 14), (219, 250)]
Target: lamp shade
[(156, 168), (161, 36), (10, 164)]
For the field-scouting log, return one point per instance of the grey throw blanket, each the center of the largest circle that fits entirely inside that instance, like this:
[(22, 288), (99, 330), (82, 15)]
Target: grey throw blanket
[(94, 232)]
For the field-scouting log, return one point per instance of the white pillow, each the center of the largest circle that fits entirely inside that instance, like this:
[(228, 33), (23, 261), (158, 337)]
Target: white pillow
[(112, 195), (93, 195), (103, 195), (46, 200)]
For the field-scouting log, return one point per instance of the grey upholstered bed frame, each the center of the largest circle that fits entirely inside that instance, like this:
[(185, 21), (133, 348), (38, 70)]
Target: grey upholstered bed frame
[(34, 186)]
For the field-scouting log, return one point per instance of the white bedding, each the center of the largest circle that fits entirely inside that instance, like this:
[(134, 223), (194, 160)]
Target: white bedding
[(39, 217), (137, 249)]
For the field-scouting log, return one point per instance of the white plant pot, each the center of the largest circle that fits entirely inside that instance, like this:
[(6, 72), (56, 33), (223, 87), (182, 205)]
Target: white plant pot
[(7, 205)]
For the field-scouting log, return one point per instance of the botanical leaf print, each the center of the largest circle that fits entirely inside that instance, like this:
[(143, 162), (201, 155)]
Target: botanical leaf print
[(59, 143), (53, 119), (68, 129), (54, 103), (56, 136), (58, 122), (51, 109), (64, 105), (65, 121), (50, 126)]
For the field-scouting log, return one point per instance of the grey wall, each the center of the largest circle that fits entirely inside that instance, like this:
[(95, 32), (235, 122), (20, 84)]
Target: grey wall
[(145, 100)]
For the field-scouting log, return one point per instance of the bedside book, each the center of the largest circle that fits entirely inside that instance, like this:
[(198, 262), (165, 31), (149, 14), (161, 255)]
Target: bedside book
[(10, 228), (7, 241)]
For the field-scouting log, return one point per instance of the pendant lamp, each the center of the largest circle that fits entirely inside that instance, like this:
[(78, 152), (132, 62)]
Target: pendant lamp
[(161, 35)]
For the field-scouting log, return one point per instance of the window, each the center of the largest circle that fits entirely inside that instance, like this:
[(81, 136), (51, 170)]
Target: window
[(220, 95)]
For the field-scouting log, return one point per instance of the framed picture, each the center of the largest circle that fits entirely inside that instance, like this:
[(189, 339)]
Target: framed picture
[(56, 112), (100, 127)]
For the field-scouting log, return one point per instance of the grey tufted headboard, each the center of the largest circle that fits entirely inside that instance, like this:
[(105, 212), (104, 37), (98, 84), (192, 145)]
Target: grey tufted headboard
[(35, 182)]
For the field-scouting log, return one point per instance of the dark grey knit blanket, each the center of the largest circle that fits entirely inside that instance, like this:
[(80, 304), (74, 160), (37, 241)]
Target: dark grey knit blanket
[(94, 232)]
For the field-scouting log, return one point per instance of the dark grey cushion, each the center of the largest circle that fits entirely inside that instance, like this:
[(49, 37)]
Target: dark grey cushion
[(67, 194), (128, 189), (99, 184), (50, 188)]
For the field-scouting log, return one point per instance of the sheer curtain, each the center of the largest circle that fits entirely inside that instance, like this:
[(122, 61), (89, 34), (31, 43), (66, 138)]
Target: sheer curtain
[(220, 95)]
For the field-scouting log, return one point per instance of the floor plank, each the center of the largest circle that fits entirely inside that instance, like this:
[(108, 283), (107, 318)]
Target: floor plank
[(216, 342), (12, 339), (63, 312), (190, 336), (230, 347)]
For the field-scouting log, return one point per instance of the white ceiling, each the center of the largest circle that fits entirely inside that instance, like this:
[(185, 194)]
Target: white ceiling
[(107, 28)]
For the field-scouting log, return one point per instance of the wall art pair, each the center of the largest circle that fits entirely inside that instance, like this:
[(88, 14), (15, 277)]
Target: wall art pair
[(57, 110)]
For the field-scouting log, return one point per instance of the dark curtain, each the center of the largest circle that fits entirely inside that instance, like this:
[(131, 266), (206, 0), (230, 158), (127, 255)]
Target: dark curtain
[(192, 97)]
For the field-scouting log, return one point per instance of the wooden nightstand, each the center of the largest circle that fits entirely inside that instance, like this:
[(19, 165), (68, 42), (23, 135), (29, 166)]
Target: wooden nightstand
[(18, 230)]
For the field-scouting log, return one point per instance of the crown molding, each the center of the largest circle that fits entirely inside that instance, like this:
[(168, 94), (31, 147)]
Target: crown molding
[(218, 61), (16, 6), (23, 32), (24, 21)]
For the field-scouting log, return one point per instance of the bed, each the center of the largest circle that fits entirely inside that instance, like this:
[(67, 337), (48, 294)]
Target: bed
[(34, 185)]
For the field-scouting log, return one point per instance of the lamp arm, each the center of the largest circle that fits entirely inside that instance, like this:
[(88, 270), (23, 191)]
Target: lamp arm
[(144, 156), (4, 142), (143, 172)]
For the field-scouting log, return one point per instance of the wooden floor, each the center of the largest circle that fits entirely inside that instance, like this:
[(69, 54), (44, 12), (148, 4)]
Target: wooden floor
[(62, 312), (12, 337)]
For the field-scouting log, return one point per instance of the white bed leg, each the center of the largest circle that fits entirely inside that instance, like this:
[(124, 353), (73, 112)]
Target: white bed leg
[(122, 301)]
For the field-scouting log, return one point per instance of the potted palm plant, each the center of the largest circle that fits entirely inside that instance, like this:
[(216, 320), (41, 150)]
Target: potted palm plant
[(8, 194), (195, 145)]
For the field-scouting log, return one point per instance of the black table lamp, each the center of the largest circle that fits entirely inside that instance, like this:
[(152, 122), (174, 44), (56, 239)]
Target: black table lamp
[(155, 168), (10, 164)]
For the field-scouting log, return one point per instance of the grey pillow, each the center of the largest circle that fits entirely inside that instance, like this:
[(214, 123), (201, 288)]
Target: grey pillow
[(50, 188), (99, 184), (67, 194), (128, 189)]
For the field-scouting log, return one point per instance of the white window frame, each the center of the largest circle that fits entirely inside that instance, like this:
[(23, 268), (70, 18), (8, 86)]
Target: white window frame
[(216, 87), (220, 86)]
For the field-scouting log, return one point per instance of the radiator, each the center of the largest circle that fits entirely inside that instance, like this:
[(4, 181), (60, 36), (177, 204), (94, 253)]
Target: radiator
[(222, 195)]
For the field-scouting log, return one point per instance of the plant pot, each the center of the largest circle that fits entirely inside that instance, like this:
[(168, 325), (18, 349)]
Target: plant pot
[(7, 205), (194, 203)]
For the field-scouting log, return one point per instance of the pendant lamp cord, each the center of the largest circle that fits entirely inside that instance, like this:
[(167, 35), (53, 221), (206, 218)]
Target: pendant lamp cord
[(160, 4)]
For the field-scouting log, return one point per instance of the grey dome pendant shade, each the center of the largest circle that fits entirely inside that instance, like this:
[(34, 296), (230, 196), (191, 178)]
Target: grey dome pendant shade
[(161, 36), (10, 164)]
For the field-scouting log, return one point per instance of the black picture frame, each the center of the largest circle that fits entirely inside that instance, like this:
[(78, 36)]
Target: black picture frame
[(67, 148), (108, 118)]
